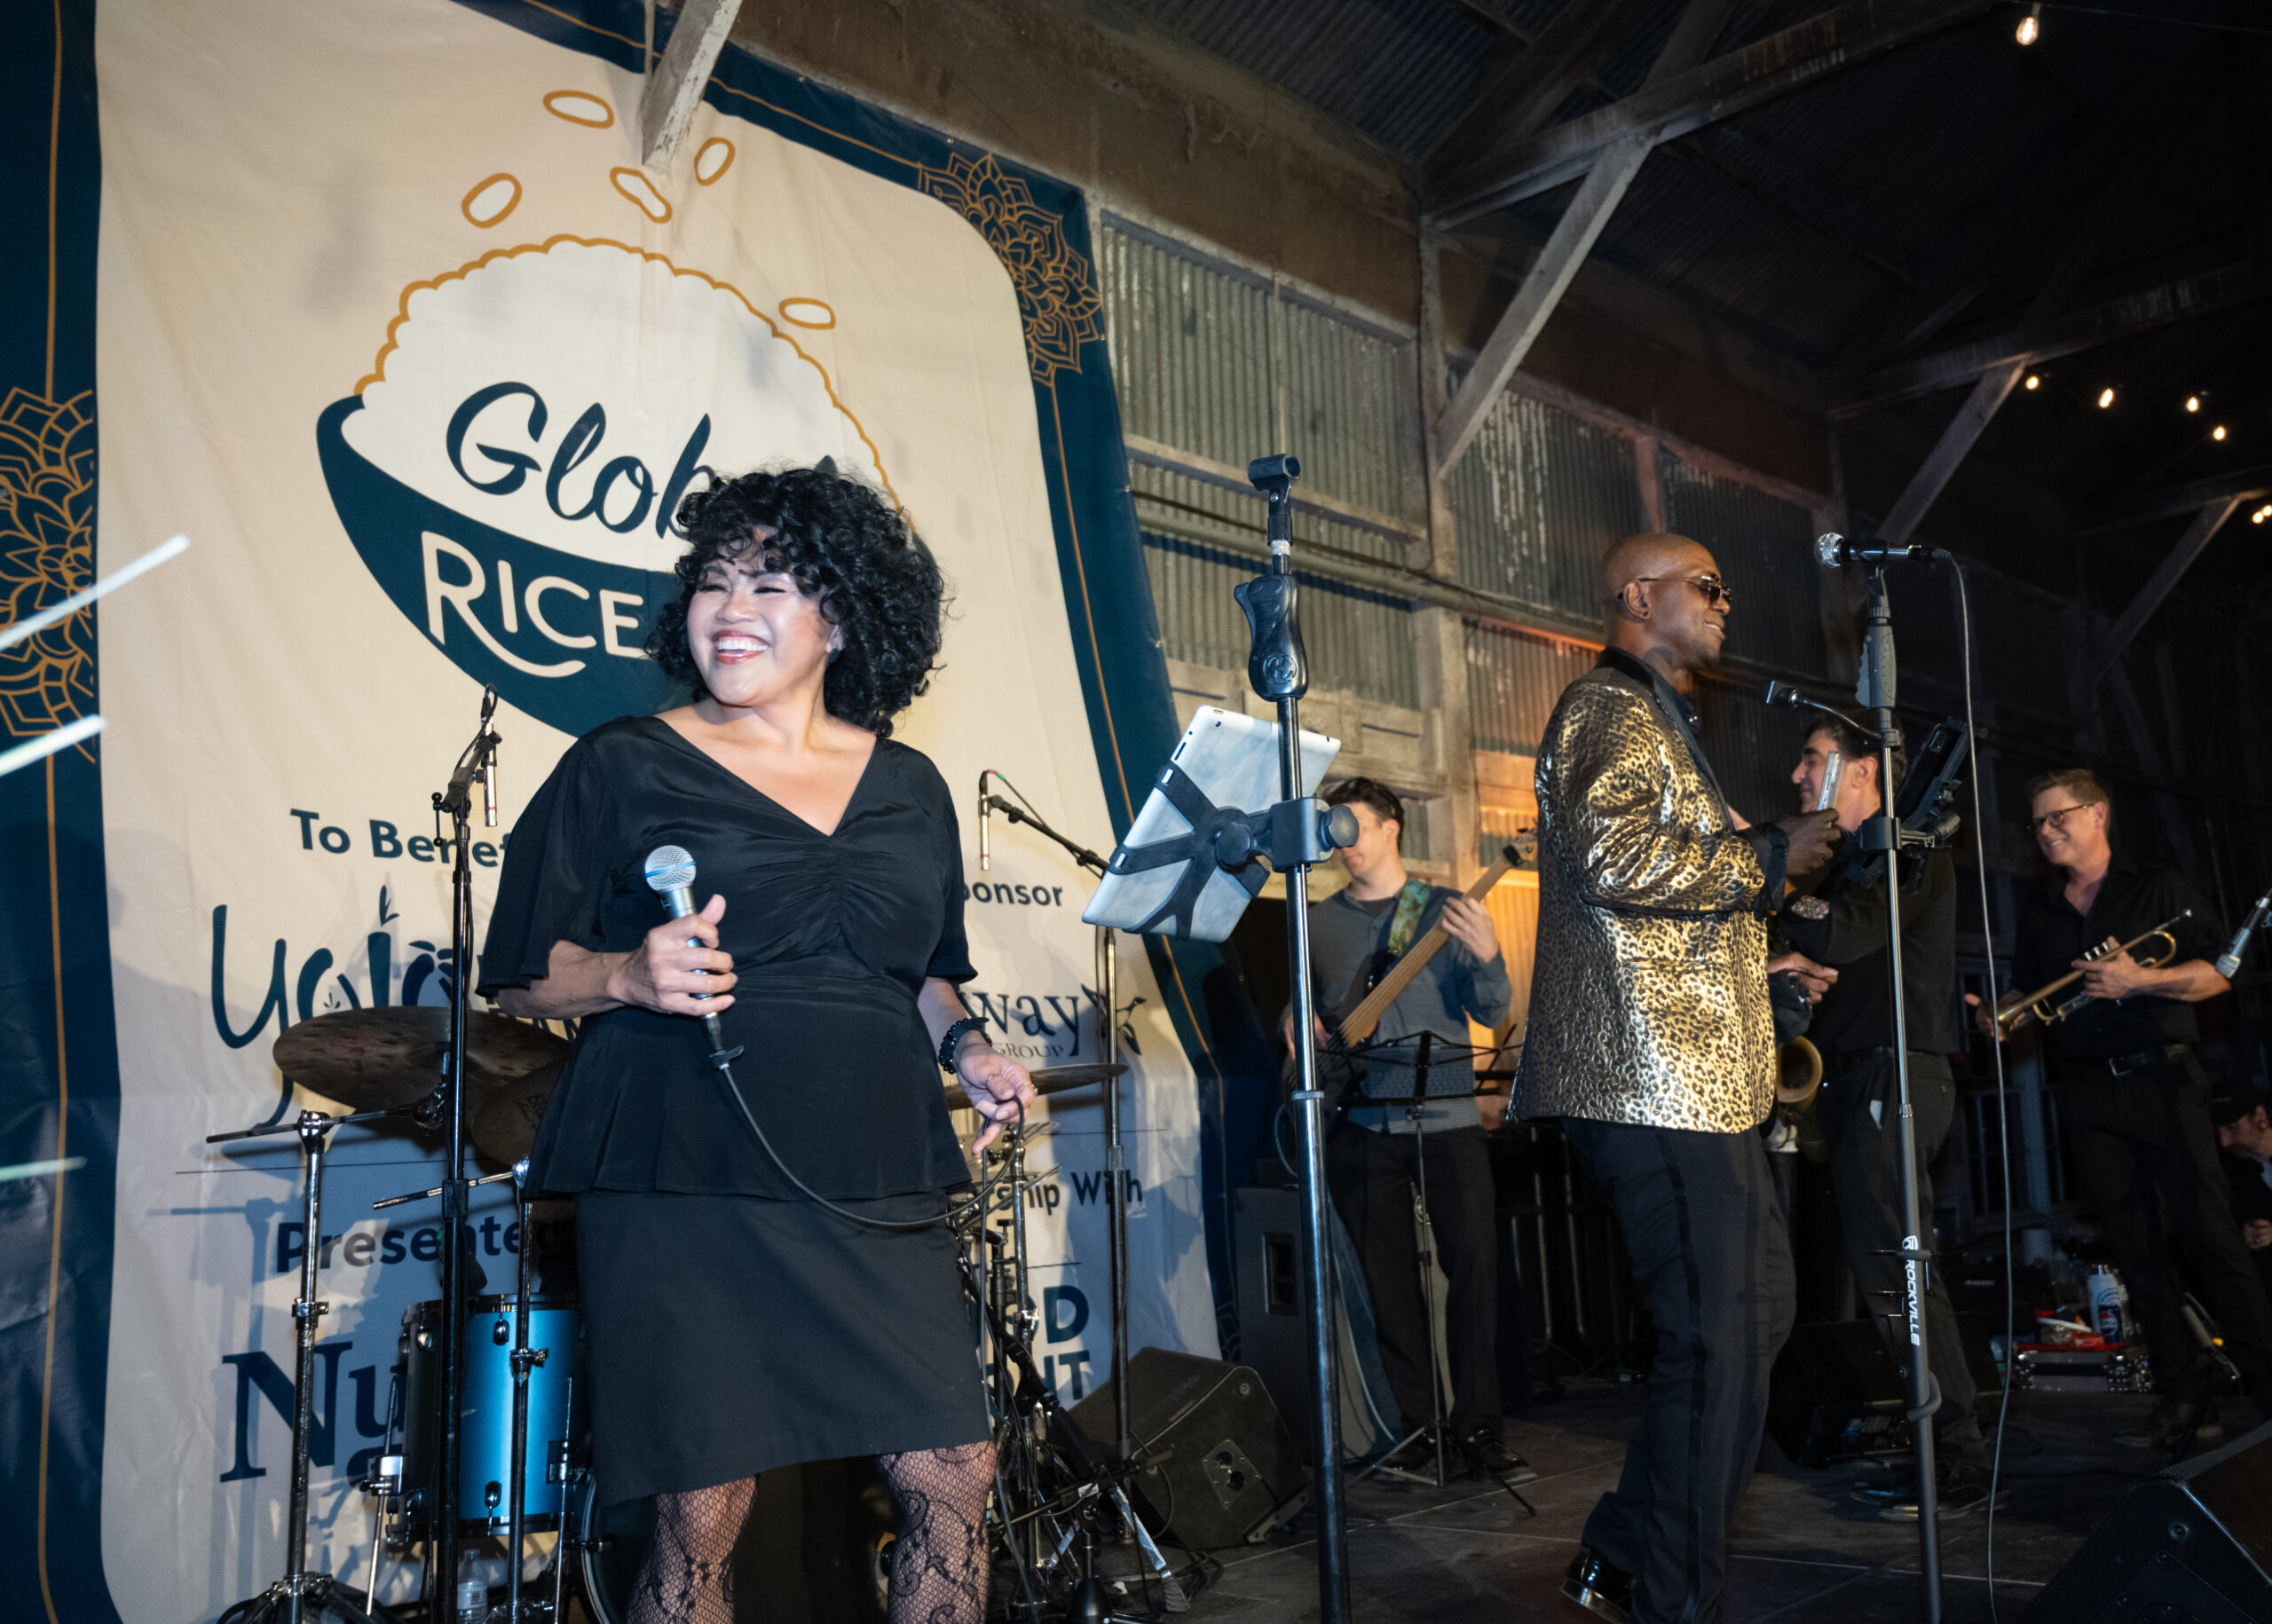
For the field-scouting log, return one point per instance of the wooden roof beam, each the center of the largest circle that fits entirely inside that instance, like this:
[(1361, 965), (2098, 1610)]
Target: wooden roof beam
[(1574, 235), (674, 88), (2222, 289), (2245, 484), (2207, 523), (1671, 106)]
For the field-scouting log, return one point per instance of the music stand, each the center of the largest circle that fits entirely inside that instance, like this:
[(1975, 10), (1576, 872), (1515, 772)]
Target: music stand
[(1416, 1109), (1293, 834)]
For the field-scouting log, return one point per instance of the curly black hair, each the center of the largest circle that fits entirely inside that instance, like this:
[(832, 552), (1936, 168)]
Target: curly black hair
[(843, 543)]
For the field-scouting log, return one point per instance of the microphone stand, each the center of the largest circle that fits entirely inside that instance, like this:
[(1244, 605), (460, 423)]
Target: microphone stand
[(1278, 670), (1115, 1158), (1883, 834), (478, 761)]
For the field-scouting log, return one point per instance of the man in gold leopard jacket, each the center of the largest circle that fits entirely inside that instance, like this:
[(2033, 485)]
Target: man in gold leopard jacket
[(1652, 1038)]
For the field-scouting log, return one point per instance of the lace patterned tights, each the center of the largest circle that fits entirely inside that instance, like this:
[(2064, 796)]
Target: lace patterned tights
[(939, 1564)]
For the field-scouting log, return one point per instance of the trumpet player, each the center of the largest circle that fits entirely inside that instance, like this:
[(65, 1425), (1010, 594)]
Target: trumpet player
[(2134, 1097), (1838, 919)]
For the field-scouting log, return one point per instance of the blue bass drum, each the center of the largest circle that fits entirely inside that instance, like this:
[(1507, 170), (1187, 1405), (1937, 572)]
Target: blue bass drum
[(557, 1411)]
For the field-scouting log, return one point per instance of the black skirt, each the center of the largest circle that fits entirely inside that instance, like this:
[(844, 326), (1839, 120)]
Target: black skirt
[(727, 1335)]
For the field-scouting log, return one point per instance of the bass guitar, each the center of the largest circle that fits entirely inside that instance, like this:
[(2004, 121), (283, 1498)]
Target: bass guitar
[(1340, 1065)]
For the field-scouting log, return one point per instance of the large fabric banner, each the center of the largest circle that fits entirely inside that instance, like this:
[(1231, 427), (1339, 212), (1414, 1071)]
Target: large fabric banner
[(388, 317)]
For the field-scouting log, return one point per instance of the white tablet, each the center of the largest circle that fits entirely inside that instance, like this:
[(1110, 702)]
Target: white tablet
[(1233, 760)]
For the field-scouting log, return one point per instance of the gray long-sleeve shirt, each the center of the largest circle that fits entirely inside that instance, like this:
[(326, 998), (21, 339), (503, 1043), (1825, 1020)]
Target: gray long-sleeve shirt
[(1346, 937)]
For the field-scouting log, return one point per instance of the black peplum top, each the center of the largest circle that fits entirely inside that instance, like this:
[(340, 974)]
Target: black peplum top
[(832, 936)]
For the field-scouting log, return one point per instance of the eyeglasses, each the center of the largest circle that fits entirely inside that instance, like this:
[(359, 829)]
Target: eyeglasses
[(2054, 820), (1714, 589)]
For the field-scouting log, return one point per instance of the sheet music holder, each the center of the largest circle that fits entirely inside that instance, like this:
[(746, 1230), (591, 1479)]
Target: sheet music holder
[(1193, 857)]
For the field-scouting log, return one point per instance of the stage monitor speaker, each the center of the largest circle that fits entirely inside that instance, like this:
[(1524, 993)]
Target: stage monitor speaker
[(2193, 1546), (1218, 1466), (1273, 1334), (1834, 1393)]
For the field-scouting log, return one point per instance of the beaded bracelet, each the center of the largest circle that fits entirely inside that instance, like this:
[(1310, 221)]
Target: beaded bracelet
[(968, 1023)]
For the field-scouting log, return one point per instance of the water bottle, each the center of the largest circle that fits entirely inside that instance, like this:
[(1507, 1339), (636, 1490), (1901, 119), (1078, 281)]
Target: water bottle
[(2107, 1300)]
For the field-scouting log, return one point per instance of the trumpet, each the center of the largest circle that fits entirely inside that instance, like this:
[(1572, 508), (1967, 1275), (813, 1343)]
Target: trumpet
[(2038, 1004)]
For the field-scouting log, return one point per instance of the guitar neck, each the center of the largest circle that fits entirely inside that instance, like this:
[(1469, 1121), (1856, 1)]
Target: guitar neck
[(1358, 1024)]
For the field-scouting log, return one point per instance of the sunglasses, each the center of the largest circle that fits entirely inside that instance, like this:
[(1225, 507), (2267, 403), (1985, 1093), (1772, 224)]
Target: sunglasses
[(1714, 589), (2054, 820)]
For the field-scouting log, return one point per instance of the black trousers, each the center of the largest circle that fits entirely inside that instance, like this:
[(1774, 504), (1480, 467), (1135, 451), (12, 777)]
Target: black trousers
[(1370, 1174), (2148, 1155), (1865, 1174), (1712, 1255)]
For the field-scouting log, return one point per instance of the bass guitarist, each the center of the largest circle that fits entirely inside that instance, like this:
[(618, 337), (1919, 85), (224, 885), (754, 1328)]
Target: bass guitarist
[(1355, 935)]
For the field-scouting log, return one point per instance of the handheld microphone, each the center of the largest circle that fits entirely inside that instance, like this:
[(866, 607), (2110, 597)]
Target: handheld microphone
[(984, 857), (2228, 960), (670, 874), (1832, 549)]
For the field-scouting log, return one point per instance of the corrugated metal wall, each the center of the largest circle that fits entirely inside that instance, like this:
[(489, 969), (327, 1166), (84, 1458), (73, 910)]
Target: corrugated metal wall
[(1190, 349), (1765, 547), (1350, 400), (1206, 357), (1752, 748), (1513, 679), (1362, 642), (1537, 499)]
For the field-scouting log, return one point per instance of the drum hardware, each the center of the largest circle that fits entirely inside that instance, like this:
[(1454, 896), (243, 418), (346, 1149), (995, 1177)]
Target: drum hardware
[(1050, 1487), (477, 760), (2038, 1004), (525, 1359), (396, 1200), (301, 1596), (1107, 1001)]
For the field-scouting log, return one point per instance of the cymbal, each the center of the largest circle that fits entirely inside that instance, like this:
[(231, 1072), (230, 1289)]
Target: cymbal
[(1049, 1080), (370, 1060), (504, 1130)]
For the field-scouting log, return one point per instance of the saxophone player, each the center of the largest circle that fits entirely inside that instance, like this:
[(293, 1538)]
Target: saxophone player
[(1840, 920)]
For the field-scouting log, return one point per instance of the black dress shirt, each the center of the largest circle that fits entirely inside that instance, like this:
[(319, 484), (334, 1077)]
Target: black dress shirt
[(2052, 935), (1768, 842), (1858, 1011)]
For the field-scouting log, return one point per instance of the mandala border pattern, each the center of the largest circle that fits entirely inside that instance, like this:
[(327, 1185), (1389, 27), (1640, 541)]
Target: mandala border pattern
[(1057, 290), (47, 552)]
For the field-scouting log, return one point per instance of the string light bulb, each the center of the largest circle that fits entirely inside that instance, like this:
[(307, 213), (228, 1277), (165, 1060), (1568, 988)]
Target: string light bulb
[(2193, 403), (2106, 397), (2217, 433), (2260, 514), (2034, 381), (2031, 28)]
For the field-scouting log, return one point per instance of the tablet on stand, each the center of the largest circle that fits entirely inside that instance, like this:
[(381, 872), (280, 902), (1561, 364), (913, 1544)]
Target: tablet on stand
[(1174, 875)]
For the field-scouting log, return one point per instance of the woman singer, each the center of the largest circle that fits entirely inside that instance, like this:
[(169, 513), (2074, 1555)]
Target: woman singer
[(746, 1308)]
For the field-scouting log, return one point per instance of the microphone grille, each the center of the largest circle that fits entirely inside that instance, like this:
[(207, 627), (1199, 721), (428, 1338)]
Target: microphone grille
[(1826, 548), (669, 867)]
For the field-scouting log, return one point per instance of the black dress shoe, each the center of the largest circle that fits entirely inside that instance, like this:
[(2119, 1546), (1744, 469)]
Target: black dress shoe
[(2177, 1421), (1959, 1491), (1488, 1453), (1599, 1585)]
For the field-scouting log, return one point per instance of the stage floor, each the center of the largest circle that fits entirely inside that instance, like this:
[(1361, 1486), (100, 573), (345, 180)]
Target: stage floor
[(1803, 1550)]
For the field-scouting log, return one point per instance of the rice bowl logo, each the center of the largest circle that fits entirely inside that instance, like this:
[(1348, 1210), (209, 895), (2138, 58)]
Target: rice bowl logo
[(510, 469)]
